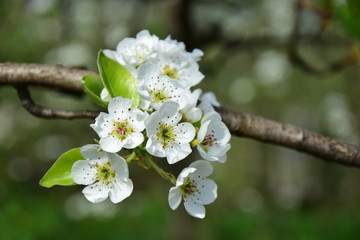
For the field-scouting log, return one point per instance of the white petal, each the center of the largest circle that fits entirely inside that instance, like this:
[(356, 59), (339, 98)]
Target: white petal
[(177, 152), (142, 90), (151, 124), (119, 166), (96, 192), (110, 54), (169, 113), (91, 151), (203, 130), (101, 125), (223, 158), (203, 168), (183, 175), (134, 140), (119, 104), (143, 34), (83, 173), (214, 153), (205, 155), (213, 116), (210, 98), (144, 104), (194, 209), (104, 95), (148, 71), (207, 191), (120, 190), (111, 144), (185, 132), (193, 115), (138, 118), (174, 197), (218, 150), (205, 107), (220, 131), (154, 147)]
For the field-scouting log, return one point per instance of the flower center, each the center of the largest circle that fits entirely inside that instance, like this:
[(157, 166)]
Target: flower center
[(171, 72), (188, 188), (104, 174), (122, 129), (159, 95), (166, 134), (208, 142)]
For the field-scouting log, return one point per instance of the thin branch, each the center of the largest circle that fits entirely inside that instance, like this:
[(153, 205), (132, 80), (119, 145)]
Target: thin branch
[(351, 57), (240, 124), (43, 112)]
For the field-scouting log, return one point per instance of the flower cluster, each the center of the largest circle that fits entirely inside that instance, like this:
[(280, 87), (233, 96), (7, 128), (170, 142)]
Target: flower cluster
[(170, 122)]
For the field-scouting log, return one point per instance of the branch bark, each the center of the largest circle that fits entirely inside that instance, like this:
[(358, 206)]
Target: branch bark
[(240, 124)]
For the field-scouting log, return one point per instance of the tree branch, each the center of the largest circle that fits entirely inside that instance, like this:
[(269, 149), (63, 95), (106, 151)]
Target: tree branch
[(65, 79), (240, 124), (290, 136), (43, 112)]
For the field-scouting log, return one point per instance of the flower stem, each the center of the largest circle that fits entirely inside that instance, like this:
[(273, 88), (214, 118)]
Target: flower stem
[(130, 157), (168, 176)]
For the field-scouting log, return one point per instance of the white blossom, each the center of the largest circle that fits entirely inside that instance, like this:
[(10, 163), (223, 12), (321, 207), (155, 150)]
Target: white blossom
[(158, 89), (105, 174), (213, 138), (133, 52), (194, 188), (167, 137), (170, 46), (181, 68), (122, 127)]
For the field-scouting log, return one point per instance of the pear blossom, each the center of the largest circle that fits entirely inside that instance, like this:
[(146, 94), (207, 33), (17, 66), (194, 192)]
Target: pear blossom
[(105, 174), (170, 46), (158, 89), (122, 127), (213, 138), (193, 186), (181, 68), (167, 137), (133, 52)]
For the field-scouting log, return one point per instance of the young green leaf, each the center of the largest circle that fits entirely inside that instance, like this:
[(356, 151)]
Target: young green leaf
[(60, 171), (118, 80), (93, 86)]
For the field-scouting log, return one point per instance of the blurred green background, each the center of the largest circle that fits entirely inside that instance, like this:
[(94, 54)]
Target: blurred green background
[(265, 192)]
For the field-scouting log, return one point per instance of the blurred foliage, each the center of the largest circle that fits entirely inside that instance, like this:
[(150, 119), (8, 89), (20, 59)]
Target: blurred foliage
[(349, 14), (265, 192)]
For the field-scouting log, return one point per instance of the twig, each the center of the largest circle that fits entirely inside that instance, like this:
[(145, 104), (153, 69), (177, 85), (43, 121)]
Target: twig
[(240, 124), (43, 112)]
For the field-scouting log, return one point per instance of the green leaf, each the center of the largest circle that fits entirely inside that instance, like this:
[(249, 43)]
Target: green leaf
[(348, 13), (118, 80), (60, 172), (93, 86)]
